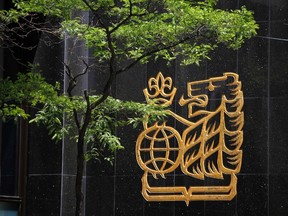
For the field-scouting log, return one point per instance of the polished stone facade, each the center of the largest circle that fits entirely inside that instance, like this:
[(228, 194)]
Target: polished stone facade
[(262, 64)]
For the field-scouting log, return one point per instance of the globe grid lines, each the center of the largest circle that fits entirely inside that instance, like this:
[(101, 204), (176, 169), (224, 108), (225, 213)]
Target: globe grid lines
[(166, 133)]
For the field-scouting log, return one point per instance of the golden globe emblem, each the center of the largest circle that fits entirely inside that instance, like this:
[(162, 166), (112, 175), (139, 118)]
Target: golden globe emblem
[(158, 140)]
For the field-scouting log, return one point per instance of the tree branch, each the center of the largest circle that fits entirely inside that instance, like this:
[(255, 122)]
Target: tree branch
[(112, 75), (71, 86), (15, 34), (125, 20), (87, 113), (85, 70), (149, 53), (95, 13), (73, 79)]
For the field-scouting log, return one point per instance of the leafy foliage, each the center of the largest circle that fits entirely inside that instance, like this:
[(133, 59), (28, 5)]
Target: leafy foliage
[(28, 88), (121, 33), (33, 90), (137, 29)]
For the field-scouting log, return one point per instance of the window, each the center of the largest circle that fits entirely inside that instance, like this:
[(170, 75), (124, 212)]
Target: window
[(9, 152), (13, 148), (9, 209)]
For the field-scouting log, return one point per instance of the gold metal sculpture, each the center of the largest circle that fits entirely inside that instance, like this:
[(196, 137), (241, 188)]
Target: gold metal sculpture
[(207, 149)]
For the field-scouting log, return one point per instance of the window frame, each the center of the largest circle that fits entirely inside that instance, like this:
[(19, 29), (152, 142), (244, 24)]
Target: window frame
[(21, 157)]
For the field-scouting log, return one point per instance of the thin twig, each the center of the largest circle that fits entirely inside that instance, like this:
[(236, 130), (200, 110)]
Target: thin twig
[(85, 70), (149, 53)]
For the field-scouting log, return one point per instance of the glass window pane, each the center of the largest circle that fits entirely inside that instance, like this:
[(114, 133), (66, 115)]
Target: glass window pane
[(9, 159), (8, 209)]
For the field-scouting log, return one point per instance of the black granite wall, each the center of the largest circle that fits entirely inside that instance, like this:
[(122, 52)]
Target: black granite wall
[(44, 155), (262, 65)]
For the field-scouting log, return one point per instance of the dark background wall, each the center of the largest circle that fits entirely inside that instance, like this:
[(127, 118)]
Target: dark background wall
[(44, 175), (262, 64)]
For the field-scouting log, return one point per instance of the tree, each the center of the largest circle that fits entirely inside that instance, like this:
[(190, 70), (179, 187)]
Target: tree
[(121, 34)]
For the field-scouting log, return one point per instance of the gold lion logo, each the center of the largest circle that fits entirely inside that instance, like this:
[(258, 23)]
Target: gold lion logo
[(206, 150)]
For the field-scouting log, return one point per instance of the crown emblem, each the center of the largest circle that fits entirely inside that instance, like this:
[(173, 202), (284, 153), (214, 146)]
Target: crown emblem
[(161, 90), (207, 149)]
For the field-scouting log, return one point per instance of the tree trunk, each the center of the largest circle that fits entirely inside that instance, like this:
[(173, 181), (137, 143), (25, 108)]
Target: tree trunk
[(81, 159), (79, 176)]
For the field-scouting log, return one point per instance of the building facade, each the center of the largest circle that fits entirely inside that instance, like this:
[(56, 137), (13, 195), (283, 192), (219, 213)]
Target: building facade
[(38, 176)]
